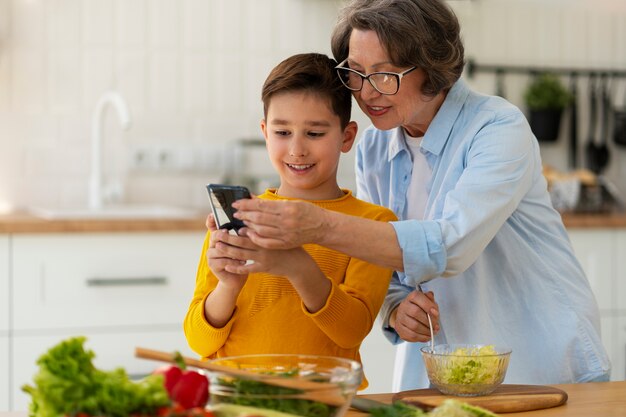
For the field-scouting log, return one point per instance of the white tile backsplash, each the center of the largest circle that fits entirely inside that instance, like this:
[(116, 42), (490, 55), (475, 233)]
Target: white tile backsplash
[(28, 23), (98, 24), (192, 71), (64, 83), (196, 15), (64, 23), (164, 23), (130, 17)]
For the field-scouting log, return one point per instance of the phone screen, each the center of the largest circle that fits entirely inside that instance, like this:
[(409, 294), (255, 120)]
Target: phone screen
[(221, 198)]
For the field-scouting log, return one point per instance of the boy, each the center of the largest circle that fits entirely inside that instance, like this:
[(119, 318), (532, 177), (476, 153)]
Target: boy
[(307, 300)]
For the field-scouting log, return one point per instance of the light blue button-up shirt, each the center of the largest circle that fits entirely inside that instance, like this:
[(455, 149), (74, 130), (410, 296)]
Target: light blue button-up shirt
[(490, 246)]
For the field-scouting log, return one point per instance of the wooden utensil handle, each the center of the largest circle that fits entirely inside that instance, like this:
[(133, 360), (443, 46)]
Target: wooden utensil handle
[(325, 391)]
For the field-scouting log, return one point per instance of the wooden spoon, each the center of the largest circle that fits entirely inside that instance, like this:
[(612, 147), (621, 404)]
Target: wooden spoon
[(324, 392)]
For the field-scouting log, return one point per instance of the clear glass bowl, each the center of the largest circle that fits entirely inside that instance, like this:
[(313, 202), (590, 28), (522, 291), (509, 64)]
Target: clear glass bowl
[(324, 386), (466, 370)]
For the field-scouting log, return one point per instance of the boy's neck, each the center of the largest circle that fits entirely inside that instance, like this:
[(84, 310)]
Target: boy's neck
[(304, 194)]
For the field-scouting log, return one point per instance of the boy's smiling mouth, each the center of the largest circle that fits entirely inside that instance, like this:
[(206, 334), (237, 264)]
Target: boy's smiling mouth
[(300, 167)]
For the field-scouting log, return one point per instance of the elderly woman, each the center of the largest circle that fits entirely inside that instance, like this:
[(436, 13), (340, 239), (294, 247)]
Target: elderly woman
[(462, 172)]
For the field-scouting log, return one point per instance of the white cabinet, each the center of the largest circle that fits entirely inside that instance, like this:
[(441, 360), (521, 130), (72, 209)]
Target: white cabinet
[(94, 280), (377, 356), (601, 253), (594, 250), (4, 373), (120, 290), (620, 288), (5, 263)]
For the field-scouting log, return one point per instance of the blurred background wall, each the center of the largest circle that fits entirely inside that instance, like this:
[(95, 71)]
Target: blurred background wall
[(192, 70)]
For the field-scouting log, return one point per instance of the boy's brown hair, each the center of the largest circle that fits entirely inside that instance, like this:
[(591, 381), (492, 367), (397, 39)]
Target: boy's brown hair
[(313, 73)]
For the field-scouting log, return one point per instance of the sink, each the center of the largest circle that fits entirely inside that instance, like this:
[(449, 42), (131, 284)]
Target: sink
[(117, 212)]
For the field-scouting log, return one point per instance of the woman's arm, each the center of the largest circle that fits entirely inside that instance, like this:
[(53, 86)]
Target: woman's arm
[(288, 224)]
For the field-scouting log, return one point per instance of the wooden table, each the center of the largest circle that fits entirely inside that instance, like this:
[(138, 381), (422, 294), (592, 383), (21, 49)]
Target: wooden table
[(597, 399), (601, 399)]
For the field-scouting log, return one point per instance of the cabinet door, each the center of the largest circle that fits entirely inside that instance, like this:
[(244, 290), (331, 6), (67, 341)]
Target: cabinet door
[(377, 356), (80, 281), (4, 284), (618, 359), (111, 350), (4, 373), (620, 276), (4, 322), (595, 252)]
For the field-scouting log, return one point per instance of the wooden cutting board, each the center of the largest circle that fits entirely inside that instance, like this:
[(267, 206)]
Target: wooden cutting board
[(507, 398)]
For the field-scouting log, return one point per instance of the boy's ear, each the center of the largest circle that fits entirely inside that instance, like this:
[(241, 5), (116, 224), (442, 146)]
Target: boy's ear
[(264, 128), (349, 135)]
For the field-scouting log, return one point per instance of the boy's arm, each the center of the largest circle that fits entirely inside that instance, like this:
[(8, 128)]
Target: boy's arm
[(202, 337)]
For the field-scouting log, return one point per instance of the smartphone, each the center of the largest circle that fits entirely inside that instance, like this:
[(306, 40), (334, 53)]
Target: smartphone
[(221, 198)]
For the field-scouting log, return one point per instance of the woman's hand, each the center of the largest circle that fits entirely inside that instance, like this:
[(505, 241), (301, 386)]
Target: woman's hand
[(281, 224), (272, 261), (410, 320), (219, 258)]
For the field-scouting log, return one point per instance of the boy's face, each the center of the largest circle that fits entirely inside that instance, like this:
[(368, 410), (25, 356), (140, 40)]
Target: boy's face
[(304, 140)]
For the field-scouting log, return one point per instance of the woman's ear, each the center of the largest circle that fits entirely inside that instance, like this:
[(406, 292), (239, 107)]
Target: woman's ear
[(349, 135)]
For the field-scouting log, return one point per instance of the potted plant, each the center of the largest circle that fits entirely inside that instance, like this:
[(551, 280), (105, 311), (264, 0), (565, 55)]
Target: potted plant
[(546, 97)]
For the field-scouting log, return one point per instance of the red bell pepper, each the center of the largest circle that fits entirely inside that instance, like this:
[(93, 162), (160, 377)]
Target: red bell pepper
[(187, 388)]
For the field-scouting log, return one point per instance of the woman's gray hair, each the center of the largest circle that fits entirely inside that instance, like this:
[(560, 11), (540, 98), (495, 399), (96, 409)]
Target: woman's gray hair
[(421, 33)]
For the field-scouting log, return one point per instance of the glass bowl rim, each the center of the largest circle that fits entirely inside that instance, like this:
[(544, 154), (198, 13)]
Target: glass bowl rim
[(354, 364), (500, 350)]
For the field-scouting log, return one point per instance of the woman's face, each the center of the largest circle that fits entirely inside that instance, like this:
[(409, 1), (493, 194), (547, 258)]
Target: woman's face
[(408, 108)]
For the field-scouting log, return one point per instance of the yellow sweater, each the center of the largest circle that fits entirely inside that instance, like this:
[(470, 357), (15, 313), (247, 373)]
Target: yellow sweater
[(269, 315)]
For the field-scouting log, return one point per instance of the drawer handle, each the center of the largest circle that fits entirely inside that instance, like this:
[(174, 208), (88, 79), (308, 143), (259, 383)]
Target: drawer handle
[(118, 282)]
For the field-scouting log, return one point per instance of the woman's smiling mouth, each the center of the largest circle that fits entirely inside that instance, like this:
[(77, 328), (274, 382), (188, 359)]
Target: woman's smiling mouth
[(377, 110)]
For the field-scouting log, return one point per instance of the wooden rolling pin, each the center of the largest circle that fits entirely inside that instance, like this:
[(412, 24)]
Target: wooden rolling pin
[(324, 392)]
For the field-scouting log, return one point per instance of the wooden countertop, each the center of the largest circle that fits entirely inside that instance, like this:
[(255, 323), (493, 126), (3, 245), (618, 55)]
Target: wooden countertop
[(26, 223), (602, 399), (605, 399)]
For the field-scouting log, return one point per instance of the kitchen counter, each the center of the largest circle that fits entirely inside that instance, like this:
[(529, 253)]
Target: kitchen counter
[(606, 399), (26, 223)]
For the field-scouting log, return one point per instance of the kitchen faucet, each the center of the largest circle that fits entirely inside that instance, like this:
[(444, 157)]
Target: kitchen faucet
[(95, 180)]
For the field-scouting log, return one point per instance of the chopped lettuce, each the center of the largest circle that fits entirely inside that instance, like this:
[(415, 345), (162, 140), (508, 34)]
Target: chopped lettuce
[(471, 366), (448, 408), (68, 384)]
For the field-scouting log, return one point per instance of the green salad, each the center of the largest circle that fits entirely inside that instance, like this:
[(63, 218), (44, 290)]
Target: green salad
[(465, 366), (262, 396), (68, 384)]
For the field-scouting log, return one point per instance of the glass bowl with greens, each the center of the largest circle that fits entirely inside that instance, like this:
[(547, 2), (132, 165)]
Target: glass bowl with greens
[(281, 385), (466, 370)]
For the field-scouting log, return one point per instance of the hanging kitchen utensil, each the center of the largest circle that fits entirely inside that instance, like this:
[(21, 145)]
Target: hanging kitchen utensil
[(619, 122), (602, 150), (590, 147), (573, 127)]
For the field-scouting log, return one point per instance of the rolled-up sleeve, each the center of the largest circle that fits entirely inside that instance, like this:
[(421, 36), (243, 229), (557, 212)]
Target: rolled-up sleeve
[(423, 250)]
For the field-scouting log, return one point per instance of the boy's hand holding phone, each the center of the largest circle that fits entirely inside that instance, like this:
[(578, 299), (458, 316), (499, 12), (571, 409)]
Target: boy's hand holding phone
[(221, 198)]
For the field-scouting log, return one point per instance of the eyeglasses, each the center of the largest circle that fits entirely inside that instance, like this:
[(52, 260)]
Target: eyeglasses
[(387, 83)]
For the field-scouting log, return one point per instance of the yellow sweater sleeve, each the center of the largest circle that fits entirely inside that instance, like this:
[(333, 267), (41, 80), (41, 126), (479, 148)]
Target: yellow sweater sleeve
[(203, 338), (352, 306)]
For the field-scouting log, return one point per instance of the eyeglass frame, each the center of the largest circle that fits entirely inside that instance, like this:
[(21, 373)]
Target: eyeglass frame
[(398, 75)]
